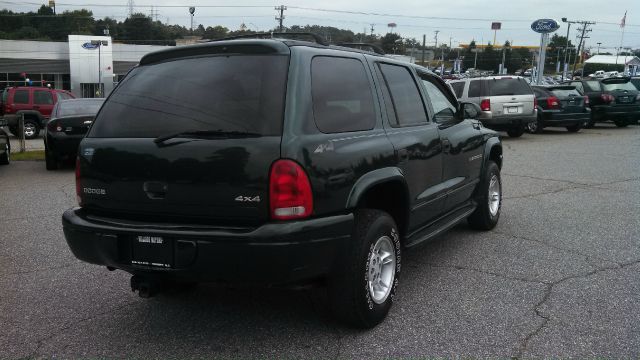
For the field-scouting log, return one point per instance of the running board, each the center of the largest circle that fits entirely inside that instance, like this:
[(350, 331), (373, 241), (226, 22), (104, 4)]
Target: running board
[(441, 225)]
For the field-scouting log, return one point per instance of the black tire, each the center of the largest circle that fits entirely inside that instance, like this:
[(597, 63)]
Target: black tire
[(591, 123), (31, 126), (13, 130), (51, 162), (5, 158), (483, 218), (621, 122), (349, 292), (535, 127), (574, 128), (516, 132)]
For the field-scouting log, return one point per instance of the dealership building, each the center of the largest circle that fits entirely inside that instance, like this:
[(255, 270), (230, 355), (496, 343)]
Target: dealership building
[(88, 66)]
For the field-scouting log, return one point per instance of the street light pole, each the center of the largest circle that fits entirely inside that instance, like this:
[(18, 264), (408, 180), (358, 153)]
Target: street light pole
[(598, 52), (566, 47)]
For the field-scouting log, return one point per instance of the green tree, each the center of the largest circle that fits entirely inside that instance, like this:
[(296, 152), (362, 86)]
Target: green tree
[(390, 43)]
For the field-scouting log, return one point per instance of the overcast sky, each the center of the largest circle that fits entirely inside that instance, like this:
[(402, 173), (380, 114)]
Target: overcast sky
[(467, 19)]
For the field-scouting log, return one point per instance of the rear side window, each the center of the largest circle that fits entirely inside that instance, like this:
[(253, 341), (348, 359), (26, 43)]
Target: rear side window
[(563, 93), (342, 96), (578, 85), (506, 87), (592, 85), (42, 97), (21, 97), (458, 88), (404, 95), (242, 93), (539, 92), (475, 88)]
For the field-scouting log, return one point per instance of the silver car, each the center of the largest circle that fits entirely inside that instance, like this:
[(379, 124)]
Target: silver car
[(507, 102)]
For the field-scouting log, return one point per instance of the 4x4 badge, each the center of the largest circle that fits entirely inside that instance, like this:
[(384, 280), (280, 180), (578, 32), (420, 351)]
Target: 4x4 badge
[(248, 198)]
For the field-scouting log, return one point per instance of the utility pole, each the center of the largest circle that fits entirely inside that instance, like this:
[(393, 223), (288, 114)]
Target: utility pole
[(130, 6), (424, 44), (598, 52), (280, 8), (372, 29), (584, 29), (435, 49)]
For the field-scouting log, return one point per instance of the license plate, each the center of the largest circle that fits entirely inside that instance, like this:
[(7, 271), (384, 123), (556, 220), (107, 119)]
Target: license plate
[(512, 110), (153, 251), (623, 99)]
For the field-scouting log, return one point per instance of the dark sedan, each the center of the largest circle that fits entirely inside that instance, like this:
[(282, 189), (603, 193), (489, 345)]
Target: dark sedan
[(614, 99), (5, 146), (70, 121), (560, 105)]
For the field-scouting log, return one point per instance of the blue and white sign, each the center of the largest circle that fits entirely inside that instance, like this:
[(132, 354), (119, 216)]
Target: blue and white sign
[(545, 26), (89, 46)]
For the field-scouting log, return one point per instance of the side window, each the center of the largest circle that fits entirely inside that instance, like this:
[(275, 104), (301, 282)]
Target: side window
[(404, 95), (42, 97), (458, 88), (444, 110), (342, 95), (21, 97), (475, 88)]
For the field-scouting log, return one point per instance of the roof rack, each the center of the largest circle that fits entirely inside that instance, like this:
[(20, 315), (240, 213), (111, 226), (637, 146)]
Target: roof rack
[(272, 35), (375, 48)]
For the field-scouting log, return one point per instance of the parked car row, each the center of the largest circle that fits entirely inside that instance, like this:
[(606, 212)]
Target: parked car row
[(512, 104)]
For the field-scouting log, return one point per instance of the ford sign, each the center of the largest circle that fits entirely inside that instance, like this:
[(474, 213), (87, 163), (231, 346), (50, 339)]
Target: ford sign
[(544, 26), (89, 46)]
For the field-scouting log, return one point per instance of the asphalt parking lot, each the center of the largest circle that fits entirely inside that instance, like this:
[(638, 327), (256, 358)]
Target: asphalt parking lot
[(558, 277)]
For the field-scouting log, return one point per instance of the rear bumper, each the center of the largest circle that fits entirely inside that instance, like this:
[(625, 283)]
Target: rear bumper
[(605, 112), (559, 118), (274, 253), (506, 122), (62, 144)]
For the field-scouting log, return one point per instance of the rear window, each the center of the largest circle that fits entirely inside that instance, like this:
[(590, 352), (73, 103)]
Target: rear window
[(505, 87), (619, 86), (564, 93), (227, 93), (592, 85), (21, 97), (82, 107), (458, 88)]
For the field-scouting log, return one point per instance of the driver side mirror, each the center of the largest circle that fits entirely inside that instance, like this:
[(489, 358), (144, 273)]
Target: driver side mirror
[(469, 110)]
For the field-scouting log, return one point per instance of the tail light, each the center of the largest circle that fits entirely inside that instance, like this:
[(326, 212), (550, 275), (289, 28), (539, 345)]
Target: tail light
[(586, 100), (78, 185), (290, 195), (553, 102), (638, 97), (607, 98), (535, 103), (485, 105), (54, 126)]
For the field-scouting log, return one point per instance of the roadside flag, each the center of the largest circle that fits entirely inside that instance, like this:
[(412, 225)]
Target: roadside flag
[(624, 20)]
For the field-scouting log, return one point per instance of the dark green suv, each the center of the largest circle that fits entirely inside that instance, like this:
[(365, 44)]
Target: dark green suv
[(275, 161)]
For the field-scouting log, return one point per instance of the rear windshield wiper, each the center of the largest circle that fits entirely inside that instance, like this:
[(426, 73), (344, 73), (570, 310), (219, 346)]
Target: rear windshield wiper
[(213, 133)]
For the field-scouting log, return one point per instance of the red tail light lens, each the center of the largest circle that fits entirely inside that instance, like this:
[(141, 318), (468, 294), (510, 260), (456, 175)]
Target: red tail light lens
[(607, 98), (586, 100), (553, 102), (290, 195), (78, 186), (485, 105)]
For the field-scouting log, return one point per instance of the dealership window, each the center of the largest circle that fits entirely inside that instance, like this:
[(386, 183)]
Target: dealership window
[(91, 90)]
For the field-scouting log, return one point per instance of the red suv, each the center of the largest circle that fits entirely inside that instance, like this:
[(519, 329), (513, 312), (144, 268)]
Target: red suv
[(35, 103)]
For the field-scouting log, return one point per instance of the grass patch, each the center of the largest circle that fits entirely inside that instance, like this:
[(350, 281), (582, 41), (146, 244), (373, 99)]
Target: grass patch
[(27, 155)]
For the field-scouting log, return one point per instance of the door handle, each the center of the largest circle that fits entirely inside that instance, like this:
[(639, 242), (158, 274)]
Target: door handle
[(446, 146)]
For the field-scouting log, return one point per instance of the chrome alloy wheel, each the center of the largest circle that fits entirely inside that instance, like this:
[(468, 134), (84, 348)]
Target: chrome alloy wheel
[(29, 130), (381, 270), (494, 195)]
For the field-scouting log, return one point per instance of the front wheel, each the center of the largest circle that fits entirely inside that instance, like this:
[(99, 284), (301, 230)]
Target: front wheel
[(489, 198), (516, 132), (362, 289), (574, 128), (5, 158)]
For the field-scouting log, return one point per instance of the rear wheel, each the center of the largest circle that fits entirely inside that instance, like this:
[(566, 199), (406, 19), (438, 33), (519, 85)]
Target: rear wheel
[(591, 123), (51, 162), (516, 132), (621, 122), (574, 128), (489, 198), (362, 289), (5, 158), (535, 127)]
